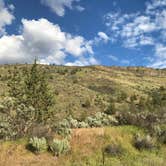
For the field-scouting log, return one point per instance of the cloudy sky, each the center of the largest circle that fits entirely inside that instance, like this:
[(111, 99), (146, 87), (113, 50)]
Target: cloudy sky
[(84, 32)]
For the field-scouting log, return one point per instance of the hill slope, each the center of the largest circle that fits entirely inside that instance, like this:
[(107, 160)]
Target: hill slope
[(85, 90)]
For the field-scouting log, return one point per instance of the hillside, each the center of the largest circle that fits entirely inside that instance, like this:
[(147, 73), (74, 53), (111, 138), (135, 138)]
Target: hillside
[(74, 86), (86, 150), (101, 116)]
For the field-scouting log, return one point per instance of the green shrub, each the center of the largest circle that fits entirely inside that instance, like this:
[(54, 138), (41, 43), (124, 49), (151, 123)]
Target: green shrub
[(59, 146), (38, 145), (143, 142), (110, 109)]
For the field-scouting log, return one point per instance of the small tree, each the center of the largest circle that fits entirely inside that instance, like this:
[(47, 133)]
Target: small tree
[(37, 93), (31, 89)]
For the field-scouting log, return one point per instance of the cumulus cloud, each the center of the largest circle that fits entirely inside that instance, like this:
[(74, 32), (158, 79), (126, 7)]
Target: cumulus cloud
[(160, 54), (82, 61), (140, 29), (6, 16), (59, 6), (46, 41)]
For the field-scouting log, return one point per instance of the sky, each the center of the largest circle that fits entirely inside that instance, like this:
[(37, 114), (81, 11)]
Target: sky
[(84, 32)]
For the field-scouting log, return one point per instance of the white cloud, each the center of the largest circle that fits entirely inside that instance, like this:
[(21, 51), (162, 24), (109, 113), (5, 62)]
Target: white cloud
[(59, 6), (6, 16), (114, 58), (147, 28), (80, 8), (46, 41), (159, 61), (83, 62), (153, 5), (103, 36)]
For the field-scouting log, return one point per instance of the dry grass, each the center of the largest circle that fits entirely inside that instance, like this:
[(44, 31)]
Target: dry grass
[(87, 145)]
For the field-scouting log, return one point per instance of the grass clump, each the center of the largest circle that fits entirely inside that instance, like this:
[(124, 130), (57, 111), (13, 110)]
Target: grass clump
[(59, 146), (38, 145), (143, 142), (113, 149)]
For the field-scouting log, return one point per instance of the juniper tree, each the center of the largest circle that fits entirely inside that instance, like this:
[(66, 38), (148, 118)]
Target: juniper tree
[(31, 89), (37, 93)]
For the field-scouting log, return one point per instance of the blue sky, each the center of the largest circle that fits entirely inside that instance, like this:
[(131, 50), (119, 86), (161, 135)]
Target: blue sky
[(84, 32)]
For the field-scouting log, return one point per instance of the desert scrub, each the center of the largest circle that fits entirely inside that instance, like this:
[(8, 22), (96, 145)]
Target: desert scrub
[(59, 147), (38, 145), (143, 142)]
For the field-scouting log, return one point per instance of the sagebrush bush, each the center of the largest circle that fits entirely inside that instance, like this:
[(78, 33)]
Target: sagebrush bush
[(162, 137), (72, 123), (143, 142), (101, 119), (113, 149), (38, 145), (59, 147), (83, 125), (7, 131), (63, 128)]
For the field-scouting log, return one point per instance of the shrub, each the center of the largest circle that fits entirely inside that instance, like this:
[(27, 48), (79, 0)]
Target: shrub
[(82, 125), (101, 119), (160, 132), (111, 109), (6, 129), (145, 142), (72, 123), (63, 128), (59, 146), (38, 145), (113, 149)]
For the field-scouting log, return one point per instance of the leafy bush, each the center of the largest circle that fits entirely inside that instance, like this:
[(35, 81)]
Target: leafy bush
[(143, 142), (38, 145), (59, 146)]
